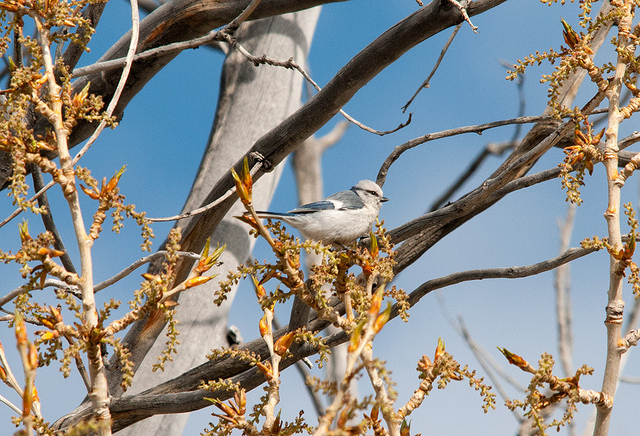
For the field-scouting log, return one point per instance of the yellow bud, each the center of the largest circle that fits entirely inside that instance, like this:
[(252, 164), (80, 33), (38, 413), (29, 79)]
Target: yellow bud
[(240, 399), (23, 230), (373, 248), (439, 350)]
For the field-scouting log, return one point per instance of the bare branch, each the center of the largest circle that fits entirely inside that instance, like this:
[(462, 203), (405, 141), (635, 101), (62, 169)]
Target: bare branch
[(495, 273), (477, 128), (425, 84), (563, 296), (47, 219), (291, 64), (254, 170), (137, 264), (135, 34)]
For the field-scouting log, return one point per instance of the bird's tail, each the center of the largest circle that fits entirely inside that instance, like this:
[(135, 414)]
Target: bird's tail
[(274, 215)]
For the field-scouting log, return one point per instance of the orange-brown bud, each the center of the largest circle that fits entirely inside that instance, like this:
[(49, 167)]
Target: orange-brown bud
[(405, 428), (244, 184), (224, 407), (21, 330), (260, 291), (263, 326), (207, 261), (197, 281), (81, 96), (283, 343), (32, 356), (90, 192), (355, 338), (152, 278), (516, 360), (50, 252), (596, 139), (113, 182), (48, 323), (240, 398), (382, 319), (570, 35), (265, 368), (376, 301)]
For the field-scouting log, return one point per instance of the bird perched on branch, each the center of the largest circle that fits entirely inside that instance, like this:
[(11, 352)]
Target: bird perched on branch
[(340, 218)]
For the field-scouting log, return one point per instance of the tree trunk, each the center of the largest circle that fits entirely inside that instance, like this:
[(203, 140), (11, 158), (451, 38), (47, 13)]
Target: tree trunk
[(252, 101)]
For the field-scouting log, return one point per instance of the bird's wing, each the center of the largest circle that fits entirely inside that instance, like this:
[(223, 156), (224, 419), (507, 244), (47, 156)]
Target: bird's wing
[(314, 207), (344, 200)]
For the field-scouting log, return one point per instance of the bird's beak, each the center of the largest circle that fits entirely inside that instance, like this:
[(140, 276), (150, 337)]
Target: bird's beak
[(383, 199)]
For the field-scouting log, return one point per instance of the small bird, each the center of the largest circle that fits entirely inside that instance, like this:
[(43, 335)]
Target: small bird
[(340, 218)]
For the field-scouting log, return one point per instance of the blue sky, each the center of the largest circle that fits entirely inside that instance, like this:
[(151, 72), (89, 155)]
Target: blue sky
[(163, 135)]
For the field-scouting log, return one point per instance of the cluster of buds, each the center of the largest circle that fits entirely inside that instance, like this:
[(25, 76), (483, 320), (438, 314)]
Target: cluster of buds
[(235, 410), (585, 149), (106, 188), (51, 320)]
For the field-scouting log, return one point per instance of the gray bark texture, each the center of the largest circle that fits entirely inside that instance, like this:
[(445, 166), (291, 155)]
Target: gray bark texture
[(252, 101)]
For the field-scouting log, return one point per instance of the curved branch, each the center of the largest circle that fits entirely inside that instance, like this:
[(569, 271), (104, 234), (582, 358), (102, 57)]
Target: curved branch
[(513, 272)]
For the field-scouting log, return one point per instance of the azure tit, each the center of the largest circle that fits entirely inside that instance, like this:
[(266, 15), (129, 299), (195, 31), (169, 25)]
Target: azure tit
[(340, 218)]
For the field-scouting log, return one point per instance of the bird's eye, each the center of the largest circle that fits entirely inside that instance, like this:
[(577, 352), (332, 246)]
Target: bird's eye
[(374, 193)]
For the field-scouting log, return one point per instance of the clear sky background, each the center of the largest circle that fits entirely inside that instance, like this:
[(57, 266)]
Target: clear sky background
[(165, 129)]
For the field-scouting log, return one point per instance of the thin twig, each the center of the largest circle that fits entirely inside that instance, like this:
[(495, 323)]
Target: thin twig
[(244, 16), (463, 11), (137, 264), (47, 219), (291, 64), (425, 84), (209, 206), (135, 33), (629, 140), (488, 150), (477, 128), (305, 374), (47, 283), (490, 366), (563, 296), (512, 272), (11, 405)]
